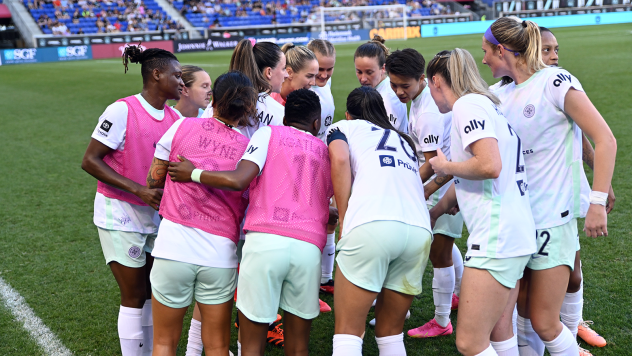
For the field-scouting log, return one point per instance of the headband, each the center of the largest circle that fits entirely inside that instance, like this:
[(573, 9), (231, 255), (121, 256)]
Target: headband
[(489, 36)]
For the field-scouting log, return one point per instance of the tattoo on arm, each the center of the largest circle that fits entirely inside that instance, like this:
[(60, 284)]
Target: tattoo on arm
[(440, 181), (157, 173)]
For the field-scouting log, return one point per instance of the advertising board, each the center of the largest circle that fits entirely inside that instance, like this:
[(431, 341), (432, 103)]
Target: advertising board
[(48, 54), (210, 44), (115, 50)]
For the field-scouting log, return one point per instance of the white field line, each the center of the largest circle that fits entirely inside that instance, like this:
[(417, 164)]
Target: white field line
[(45, 338)]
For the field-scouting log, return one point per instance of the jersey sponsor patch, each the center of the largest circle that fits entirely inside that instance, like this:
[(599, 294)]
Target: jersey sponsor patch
[(134, 252), (387, 161), (431, 139), (522, 186), (561, 77), (106, 126), (528, 111), (474, 124)]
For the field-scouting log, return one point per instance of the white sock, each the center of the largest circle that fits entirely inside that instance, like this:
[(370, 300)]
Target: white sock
[(391, 345), (457, 259), (147, 322), (238, 348), (442, 289), (507, 347), (571, 312), (488, 352), (328, 257), (194, 344), (563, 345), (514, 320), (529, 343), (347, 345), (130, 330)]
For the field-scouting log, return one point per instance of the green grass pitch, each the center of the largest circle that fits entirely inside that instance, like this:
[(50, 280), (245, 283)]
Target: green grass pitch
[(50, 252)]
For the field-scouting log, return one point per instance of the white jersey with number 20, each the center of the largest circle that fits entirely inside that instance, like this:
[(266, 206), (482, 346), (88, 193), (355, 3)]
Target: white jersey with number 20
[(496, 211)]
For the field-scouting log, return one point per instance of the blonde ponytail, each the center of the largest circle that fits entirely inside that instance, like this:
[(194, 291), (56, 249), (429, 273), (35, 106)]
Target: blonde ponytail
[(522, 37), (297, 56)]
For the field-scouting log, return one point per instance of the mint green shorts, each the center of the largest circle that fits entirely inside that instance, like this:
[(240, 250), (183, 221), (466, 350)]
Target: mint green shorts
[(127, 248), (173, 283), (557, 246), (449, 225), (385, 254), (278, 271), (507, 271)]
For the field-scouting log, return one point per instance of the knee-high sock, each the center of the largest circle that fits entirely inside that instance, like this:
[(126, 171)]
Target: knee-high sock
[(563, 345), (328, 257), (488, 352), (514, 320), (347, 345), (391, 345), (147, 322), (130, 330), (194, 343), (529, 343), (507, 347), (457, 259), (571, 312), (442, 289)]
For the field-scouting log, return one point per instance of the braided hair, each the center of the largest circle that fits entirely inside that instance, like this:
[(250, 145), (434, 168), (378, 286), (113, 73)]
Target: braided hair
[(150, 59)]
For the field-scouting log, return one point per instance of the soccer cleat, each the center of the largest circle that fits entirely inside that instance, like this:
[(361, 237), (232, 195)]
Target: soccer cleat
[(327, 287), (589, 335), (275, 335), (455, 302), (372, 322), (324, 307), (430, 329), (583, 352)]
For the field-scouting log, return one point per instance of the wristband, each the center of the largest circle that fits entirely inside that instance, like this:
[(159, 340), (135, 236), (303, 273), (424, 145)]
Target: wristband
[(195, 175), (599, 198)]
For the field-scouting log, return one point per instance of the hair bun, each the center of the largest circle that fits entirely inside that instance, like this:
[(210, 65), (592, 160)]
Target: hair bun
[(287, 47), (378, 38), (524, 23)]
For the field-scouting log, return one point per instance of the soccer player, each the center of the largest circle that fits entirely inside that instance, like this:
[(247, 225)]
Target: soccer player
[(549, 110), (302, 69), (195, 252), (370, 61), (490, 187), (119, 156), (286, 223), (326, 56), (196, 96), (384, 223), (430, 130)]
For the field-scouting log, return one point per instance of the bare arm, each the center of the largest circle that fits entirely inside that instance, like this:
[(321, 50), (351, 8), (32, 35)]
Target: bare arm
[(444, 205), (435, 185), (157, 173), (95, 166), (340, 176), (588, 156), (486, 163), (584, 113), (425, 171), (237, 180)]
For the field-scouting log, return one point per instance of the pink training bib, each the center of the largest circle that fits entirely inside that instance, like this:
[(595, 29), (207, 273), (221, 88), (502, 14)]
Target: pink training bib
[(211, 146), (291, 196), (141, 136)]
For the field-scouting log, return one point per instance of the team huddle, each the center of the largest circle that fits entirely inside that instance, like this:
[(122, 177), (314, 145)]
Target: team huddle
[(235, 194)]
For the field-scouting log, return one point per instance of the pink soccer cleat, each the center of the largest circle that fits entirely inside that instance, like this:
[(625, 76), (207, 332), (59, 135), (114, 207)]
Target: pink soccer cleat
[(455, 302), (324, 307), (430, 329)]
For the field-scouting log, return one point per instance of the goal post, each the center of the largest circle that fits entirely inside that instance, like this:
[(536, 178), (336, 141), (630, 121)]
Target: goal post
[(402, 7)]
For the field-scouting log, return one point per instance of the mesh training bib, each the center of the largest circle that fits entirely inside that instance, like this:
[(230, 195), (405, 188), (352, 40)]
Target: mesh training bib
[(210, 146), (291, 196), (134, 161)]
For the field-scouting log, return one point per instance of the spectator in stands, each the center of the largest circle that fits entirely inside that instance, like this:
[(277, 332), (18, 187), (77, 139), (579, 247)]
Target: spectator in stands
[(80, 31)]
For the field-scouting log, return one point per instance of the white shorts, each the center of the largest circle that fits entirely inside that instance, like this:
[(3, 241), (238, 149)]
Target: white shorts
[(126, 248), (449, 225)]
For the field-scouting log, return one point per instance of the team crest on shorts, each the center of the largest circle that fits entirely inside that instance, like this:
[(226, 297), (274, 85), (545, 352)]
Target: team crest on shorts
[(134, 252), (529, 111)]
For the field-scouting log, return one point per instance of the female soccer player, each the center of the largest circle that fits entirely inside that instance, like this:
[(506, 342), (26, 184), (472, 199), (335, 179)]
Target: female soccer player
[(370, 61), (490, 186), (302, 69), (195, 252), (196, 95), (264, 63), (384, 223), (326, 56), (430, 131), (549, 110), (286, 223), (119, 156)]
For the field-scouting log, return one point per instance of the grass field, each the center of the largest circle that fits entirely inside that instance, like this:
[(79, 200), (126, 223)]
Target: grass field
[(50, 252)]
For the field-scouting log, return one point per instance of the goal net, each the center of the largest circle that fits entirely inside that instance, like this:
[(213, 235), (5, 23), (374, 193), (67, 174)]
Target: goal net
[(388, 21)]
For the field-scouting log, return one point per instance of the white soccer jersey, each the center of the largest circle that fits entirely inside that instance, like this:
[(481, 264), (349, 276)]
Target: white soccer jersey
[(327, 108), (496, 212), (430, 129), (386, 184), (269, 112), (200, 112), (396, 110), (552, 145)]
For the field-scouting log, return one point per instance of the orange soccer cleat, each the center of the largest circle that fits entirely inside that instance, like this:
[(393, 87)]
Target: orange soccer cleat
[(324, 307), (589, 335)]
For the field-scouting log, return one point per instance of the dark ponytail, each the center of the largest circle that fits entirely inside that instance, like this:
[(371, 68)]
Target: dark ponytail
[(149, 59), (252, 60), (234, 98), (366, 103)]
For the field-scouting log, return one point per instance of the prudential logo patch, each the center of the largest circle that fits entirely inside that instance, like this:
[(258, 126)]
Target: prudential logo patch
[(387, 161)]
